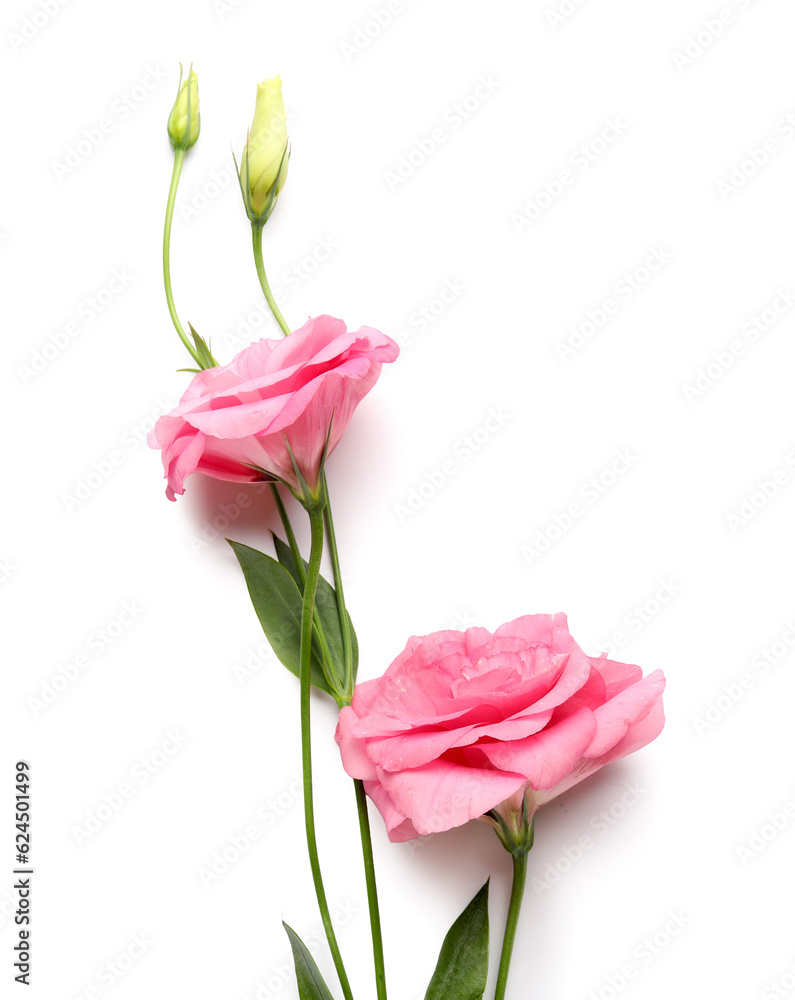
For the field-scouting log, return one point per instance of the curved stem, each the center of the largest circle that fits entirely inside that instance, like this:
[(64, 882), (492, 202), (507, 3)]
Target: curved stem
[(307, 614), (372, 891), (179, 159), (256, 235), (514, 908), (345, 628)]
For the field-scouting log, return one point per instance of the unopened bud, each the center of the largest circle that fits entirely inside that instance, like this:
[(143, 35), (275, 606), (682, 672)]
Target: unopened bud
[(184, 121), (263, 167)]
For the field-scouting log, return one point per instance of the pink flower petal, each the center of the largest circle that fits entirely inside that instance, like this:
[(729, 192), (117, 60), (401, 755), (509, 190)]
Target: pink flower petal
[(354, 755), (546, 758), (615, 718), (398, 828), (440, 795)]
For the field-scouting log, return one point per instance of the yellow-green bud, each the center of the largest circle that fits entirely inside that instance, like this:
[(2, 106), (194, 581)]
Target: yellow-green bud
[(263, 169), (184, 121)]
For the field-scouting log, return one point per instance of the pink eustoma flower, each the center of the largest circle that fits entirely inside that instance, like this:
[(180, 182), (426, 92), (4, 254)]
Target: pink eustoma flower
[(234, 422), (463, 723)]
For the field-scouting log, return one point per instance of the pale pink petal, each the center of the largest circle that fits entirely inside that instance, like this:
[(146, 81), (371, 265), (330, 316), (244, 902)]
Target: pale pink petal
[(441, 795), (646, 726), (353, 751), (630, 706), (399, 829), (235, 419), (184, 457), (516, 728), (546, 758), (412, 749), (617, 676)]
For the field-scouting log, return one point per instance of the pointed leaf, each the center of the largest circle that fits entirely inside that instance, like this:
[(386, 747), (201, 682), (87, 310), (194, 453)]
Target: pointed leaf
[(310, 983), (463, 964), (326, 605), (203, 350), (278, 604)]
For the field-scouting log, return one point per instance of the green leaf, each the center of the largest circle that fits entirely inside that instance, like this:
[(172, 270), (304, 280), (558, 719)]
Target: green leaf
[(326, 605), (278, 603), (463, 964), (310, 983)]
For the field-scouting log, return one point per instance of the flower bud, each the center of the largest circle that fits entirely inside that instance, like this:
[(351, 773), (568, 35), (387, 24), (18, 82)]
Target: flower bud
[(184, 121), (263, 169)]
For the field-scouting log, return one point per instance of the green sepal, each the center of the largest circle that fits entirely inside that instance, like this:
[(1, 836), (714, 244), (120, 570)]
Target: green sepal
[(245, 190), (463, 965), (311, 985), (327, 611), (204, 354), (278, 603)]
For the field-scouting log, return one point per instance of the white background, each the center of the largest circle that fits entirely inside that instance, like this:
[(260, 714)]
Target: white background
[(679, 550)]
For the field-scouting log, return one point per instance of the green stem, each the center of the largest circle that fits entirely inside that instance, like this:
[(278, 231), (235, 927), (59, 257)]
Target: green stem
[(299, 565), (347, 646), (372, 891), (256, 234), (288, 530), (361, 797), (179, 159), (514, 907), (307, 614)]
